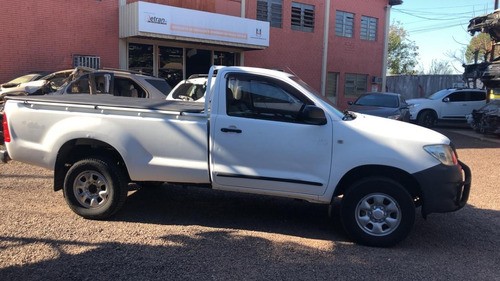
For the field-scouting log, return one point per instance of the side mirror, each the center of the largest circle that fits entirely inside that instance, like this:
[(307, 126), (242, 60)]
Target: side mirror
[(447, 99), (350, 103), (313, 115)]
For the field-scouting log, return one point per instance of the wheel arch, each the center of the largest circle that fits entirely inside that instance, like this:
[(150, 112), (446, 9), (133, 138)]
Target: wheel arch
[(432, 110), (404, 178), (76, 149)]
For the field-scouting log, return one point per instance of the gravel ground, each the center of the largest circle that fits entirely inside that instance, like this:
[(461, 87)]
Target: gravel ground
[(178, 233)]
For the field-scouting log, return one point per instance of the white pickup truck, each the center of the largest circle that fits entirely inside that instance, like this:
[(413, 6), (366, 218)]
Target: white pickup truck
[(259, 131)]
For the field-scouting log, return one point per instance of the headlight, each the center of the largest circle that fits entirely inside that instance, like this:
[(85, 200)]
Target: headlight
[(413, 105), (442, 152)]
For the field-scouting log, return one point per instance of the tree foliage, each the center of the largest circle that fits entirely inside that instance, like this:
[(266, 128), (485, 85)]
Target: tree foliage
[(482, 44), (440, 67), (402, 52)]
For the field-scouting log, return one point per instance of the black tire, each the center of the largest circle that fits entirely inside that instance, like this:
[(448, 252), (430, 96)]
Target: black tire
[(427, 119), (377, 212), (95, 188)]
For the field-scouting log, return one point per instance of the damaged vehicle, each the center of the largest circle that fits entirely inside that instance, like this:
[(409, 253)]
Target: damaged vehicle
[(45, 85), (84, 80), (116, 82), (486, 120), (489, 23), (22, 79)]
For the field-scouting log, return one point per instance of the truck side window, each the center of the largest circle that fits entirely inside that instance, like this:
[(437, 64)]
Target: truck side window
[(252, 97)]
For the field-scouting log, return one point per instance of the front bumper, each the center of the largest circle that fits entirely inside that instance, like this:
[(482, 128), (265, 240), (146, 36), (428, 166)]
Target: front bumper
[(444, 188)]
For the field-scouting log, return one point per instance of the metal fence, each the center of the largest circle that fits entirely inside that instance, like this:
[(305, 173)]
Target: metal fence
[(417, 86)]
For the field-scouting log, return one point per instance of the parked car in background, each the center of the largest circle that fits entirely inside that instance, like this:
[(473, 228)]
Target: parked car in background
[(22, 79), (191, 89), (388, 105), (83, 80), (44, 85), (447, 104), (36, 86), (486, 119), (116, 82)]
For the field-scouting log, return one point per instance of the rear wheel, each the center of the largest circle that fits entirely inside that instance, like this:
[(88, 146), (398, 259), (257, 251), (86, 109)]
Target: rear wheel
[(377, 212), (95, 188), (427, 118)]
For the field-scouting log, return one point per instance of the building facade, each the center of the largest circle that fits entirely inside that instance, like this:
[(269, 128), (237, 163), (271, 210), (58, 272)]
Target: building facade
[(340, 57)]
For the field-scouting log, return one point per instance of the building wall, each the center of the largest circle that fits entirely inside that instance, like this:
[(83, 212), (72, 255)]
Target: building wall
[(44, 35), (297, 52), (353, 55)]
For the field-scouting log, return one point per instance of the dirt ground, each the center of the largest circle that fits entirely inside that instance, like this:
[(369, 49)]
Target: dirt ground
[(179, 233)]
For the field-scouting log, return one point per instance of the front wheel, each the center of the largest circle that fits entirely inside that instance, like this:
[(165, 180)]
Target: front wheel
[(427, 119), (95, 188), (377, 212)]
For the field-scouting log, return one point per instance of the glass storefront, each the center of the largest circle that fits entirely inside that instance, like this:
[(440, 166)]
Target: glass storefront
[(175, 64), (140, 58), (170, 64)]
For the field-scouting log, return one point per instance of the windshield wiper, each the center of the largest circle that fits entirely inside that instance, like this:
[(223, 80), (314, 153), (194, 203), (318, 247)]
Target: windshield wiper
[(349, 115)]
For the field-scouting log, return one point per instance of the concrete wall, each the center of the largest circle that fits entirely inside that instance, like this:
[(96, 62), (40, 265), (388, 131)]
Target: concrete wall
[(417, 86)]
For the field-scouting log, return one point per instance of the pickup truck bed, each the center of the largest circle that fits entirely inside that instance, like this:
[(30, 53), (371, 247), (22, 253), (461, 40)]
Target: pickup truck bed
[(116, 101)]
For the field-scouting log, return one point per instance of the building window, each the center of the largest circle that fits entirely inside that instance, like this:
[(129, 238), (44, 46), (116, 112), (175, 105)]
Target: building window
[(302, 17), (344, 24), (332, 80), (368, 28), (271, 11), (88, 61), (355, 84), (170, 64), (140, 58)]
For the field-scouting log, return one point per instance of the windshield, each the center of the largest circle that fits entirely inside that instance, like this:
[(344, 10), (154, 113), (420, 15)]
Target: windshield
[(189, 90), (438, 95), (379, 100), (161, 85), (310, 89), (23, 79)]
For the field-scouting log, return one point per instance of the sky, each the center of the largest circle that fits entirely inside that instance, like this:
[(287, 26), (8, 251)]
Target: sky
[(439, 27)]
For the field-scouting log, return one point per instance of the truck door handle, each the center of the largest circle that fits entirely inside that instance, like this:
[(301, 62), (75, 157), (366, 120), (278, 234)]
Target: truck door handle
[(231, 130)]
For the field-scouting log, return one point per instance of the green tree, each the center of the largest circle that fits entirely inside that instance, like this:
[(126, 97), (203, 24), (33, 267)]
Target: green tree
[(402, 52), (482, 44)]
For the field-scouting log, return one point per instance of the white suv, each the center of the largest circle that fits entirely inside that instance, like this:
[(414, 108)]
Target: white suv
[(447, 104)]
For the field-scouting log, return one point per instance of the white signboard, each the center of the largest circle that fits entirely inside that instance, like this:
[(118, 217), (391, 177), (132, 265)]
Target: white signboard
[(162, 19)]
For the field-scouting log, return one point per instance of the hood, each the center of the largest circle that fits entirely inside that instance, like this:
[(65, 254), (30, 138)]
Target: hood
[(395, 131), (28, 87)]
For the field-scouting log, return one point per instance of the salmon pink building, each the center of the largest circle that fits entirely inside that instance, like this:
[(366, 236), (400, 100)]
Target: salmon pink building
[(336, 46)]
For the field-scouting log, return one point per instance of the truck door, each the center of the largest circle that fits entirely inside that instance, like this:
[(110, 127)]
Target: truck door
[(257, 142)]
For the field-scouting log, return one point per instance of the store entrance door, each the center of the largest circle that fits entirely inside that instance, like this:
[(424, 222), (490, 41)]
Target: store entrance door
[(197, 61)]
